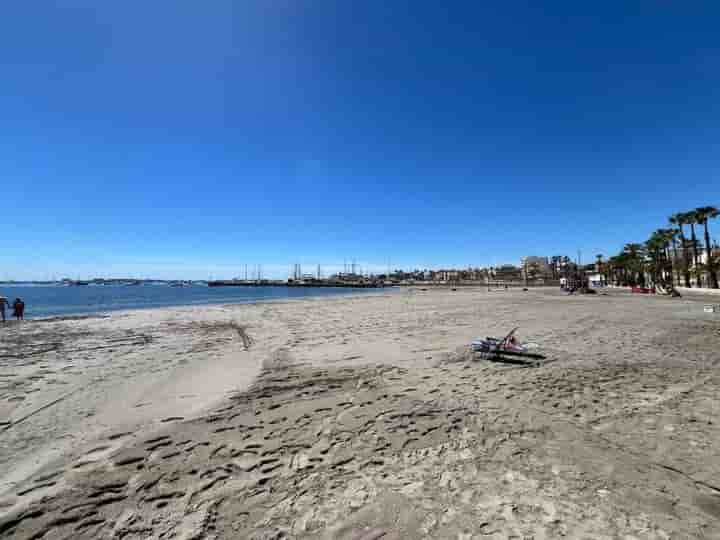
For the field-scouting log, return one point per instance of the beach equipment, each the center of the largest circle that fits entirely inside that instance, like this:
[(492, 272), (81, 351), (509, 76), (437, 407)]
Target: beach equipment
[(490, 347)]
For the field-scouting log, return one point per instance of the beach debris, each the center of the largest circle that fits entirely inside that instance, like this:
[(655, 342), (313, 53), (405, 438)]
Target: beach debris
[(581, 290), (491, 347), (242, 332), (667, 291), (711, 308)]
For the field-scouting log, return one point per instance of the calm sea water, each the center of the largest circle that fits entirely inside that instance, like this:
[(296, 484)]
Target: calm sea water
[(47, 301)]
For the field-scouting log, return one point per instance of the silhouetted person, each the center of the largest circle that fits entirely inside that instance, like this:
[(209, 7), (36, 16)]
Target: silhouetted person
[(3, 304), (19, 309)]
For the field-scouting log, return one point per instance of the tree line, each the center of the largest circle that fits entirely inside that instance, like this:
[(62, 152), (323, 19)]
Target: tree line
[(671, 256)]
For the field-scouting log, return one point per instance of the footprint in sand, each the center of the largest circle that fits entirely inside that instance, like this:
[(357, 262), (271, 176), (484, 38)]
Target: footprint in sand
[(118, 435), (94, 453)]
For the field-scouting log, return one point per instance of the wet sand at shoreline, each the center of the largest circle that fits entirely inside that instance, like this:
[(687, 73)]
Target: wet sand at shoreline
[(365, 417)]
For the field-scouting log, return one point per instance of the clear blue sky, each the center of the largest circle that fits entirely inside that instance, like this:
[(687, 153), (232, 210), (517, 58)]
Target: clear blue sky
[(175, 138)]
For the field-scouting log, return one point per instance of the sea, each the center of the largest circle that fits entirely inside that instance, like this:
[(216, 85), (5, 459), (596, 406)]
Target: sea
[(57, 300)]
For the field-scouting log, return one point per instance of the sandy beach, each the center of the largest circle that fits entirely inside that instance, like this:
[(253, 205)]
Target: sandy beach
[(365, 417)]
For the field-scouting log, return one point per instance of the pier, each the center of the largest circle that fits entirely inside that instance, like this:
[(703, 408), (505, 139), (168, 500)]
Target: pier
[(294, 283)]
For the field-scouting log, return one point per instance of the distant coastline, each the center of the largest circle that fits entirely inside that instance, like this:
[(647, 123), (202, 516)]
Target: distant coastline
[(52, 300)]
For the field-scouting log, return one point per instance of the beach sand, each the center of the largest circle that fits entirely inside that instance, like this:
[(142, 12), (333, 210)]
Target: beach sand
[(365, 417)]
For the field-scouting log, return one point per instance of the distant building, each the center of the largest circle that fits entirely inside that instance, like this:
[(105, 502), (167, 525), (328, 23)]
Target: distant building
[(562, 266), (536, 268), (506, 273), (447, 275)]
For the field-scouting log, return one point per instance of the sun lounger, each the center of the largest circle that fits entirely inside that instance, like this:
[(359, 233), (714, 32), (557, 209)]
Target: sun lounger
[(507, 346)]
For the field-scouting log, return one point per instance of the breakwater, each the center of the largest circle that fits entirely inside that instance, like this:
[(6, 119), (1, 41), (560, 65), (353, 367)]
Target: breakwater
[(294, 284)]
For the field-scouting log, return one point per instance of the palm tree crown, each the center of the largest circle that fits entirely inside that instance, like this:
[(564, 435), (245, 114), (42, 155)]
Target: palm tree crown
[(703, 215)]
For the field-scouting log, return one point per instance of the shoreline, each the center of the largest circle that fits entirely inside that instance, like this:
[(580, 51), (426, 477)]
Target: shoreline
[(208, 302)]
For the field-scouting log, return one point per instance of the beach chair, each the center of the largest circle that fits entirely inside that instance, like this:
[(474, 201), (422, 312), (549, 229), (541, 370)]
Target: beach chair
[(491, 347)]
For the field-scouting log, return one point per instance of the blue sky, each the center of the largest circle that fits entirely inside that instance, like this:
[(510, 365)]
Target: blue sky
[(186, 139)]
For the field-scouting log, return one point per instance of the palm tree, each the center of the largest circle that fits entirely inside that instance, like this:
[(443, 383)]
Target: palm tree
[(665, 237), (635, 257), (658, 246), (609, 270), (704, 214), (671, 235), (601, 268), (652, 245), (691, 218), (618, 269), (679, 220)]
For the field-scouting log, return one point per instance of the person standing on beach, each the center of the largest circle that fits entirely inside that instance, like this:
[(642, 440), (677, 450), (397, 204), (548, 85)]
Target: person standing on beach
[(19, 309), (3, 304)]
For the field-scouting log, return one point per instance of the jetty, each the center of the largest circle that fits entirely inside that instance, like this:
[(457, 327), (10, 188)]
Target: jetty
[(296, 283)]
